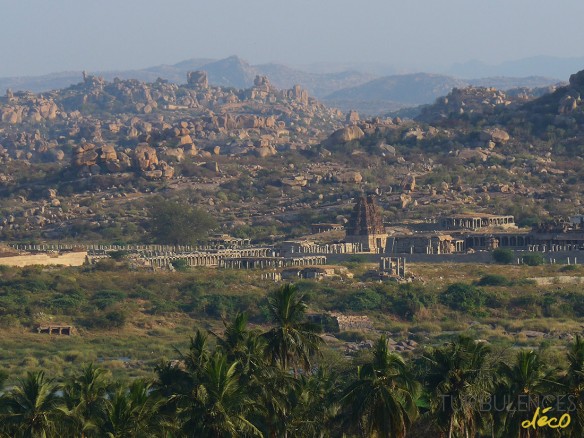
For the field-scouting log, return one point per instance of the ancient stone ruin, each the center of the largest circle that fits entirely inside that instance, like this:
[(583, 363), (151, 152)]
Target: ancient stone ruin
[(366, 226), (56, 329)]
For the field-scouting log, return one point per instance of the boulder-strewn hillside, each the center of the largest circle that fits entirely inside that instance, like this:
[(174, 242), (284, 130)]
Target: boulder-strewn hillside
[(83, 161), (180, 120)]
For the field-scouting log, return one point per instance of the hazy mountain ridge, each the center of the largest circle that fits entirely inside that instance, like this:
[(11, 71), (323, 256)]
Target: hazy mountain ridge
[(346, 89), (411, 89), (392, 93), (228, 72), (551, 66)]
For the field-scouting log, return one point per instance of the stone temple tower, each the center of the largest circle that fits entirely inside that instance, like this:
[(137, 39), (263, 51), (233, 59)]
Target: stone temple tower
[(365, 226)]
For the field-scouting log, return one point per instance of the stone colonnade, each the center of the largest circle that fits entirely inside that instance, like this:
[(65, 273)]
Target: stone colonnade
[(164, 260), (393, 265), (270, 262), (98, 248), (329, 248)]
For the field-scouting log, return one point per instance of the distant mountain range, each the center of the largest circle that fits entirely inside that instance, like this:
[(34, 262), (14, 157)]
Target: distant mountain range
[(346, 89), (395, 92), (228, 72), (549, 66)]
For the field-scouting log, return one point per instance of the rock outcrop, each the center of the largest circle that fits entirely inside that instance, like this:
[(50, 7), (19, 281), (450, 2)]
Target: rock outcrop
[(145, 157), (347, 134), (198, 80), (408, 183)]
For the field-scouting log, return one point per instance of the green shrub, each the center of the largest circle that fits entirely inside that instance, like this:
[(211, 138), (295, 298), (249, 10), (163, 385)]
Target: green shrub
[(109, 320), (67, 302), (494, 280), (503, 256), (464, 297), (106, 298), (576, 302), (118, 255), (3, 378), (408, 300), (180, 265), (406, 304), (534, 259), (351, 336), (365, 299)]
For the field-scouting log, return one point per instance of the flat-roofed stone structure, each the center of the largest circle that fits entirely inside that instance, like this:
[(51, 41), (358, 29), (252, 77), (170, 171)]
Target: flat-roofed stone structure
[(475, 221), (54, 329)]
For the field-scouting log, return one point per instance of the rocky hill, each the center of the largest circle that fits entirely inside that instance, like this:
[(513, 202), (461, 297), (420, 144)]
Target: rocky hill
[(120, 115), (391, 93), (229, 72), (83, 161)]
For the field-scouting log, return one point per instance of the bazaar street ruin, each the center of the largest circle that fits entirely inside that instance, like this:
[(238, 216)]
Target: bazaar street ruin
[(468, 237)]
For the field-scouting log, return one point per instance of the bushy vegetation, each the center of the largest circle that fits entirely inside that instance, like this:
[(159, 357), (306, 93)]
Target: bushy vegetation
[(534, 259), (463, 297), (281, 381), (503, 256), (177, 223), (494, 280)]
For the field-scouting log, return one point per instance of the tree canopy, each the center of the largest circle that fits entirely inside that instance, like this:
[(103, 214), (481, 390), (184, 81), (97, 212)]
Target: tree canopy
[(175, 223)]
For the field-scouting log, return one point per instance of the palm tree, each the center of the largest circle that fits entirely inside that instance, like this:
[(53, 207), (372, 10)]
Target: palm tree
[(3, 378), (236, 333), (525, 383), (130, 412), (85, 399), (197, 357), (218, 405), (317, 405), (381, 402), (276, 392), (32, 407), (292, 342), (574, 382), (457, 378), (241, 345)]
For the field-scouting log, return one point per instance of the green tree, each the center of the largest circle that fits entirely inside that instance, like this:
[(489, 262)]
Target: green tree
[(574, 383), (529, 379), (464, 297), (534, 259), (381, 402), (292, 341), (217, 406), (32, 407), (317, 405), (177, 223), (85, 397), (456, 377), (131, 412)]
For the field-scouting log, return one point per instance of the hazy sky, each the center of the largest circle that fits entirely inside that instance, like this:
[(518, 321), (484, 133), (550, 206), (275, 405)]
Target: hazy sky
[(42, 36)]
